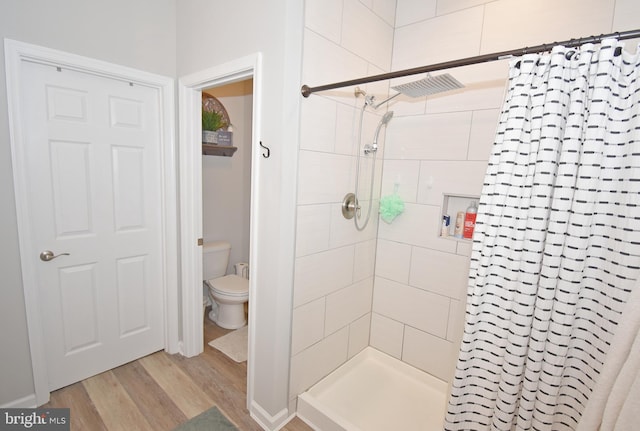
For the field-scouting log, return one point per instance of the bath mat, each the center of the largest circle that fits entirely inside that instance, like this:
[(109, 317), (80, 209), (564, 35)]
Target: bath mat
[(210, 420), (234, 344)]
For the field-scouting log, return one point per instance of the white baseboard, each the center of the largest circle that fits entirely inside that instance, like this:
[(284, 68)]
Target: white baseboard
[(270, 422), (28, 402)]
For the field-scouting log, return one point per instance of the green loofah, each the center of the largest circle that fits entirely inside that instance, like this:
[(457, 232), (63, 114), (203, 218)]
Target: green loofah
[(391, 207)]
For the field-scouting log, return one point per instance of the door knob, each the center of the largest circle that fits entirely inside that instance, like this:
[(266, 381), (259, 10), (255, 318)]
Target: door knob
[(48, 255)]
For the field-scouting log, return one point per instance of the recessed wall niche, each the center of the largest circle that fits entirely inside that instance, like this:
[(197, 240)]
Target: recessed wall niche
[(452, 204)]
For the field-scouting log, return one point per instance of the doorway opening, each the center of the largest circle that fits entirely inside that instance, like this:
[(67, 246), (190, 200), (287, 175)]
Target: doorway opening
[(226, 179), (242, 73), (226, 209)]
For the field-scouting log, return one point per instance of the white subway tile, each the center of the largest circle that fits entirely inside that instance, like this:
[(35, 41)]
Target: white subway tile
[(483, 133), (318, 124), (411, 11), (457, 178), (487, 95), (417, 225), (449, 6), (323, 177), (404, 174), (431, 354), (393, 260), (431, 136), (515, 24), (314, 363), (319, 274), (412, 306), (308, 325), (385, 9), (442, 273), (387, 335), (364, 260), (480, 75), (344, 232), (627, 17), (464, 248), (347, 129), (324, 17), (366, 34), (348, 304), (325, 62), (404, 106), (312, 230), (359, 335), (439, 39)]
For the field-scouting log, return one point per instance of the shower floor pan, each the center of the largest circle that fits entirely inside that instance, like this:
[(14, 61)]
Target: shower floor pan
[(375, 392)]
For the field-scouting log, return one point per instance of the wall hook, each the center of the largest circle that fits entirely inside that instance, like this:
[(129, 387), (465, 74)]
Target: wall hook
[(268, 154)]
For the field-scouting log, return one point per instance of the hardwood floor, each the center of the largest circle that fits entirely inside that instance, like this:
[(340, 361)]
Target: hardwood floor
[(161, 391)]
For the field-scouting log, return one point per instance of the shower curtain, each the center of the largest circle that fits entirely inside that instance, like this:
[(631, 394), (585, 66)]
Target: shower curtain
[(556, 249)]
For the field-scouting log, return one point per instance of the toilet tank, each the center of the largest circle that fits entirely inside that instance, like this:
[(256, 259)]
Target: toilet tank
[(215, 258)]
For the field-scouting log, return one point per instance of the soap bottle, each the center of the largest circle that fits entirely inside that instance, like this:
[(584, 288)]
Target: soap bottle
[(459, 224), (446, 220), (470, 220)]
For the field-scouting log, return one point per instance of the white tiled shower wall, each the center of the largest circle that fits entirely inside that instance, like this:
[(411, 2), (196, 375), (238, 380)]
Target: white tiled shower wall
[(433, 146), (334, 262)]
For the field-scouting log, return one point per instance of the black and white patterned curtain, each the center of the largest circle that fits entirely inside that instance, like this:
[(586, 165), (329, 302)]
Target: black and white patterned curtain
[(556, 250)]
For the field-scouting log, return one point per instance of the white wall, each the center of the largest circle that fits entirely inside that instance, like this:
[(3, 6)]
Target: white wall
[(434, 146), (226, 181), (214, 32), (140, 35)]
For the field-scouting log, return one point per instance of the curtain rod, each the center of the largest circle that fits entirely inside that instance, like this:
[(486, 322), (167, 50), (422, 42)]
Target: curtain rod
[(631, 34)]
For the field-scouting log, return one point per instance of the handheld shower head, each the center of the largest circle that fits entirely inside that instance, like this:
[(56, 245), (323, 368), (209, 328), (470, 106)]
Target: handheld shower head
[(383, 122), (386, 118)]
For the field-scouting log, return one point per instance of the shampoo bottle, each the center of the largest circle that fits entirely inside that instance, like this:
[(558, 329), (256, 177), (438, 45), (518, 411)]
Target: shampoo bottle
[(459, 224), (470, 221)]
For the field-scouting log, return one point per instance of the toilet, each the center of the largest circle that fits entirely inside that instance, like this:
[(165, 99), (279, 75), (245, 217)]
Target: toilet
[(227, 293)]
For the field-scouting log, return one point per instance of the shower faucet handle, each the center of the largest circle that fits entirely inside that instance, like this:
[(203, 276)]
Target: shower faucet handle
[(349, 206)]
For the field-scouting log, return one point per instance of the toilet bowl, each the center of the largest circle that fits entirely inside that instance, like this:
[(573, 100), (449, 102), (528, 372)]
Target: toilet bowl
[(226, 293)]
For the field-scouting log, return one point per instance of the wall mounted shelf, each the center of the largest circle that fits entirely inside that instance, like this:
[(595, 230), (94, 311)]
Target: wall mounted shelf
[(218, 150)]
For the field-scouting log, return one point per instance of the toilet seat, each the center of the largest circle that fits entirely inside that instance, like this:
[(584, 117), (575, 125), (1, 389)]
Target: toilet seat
[(229, 285)]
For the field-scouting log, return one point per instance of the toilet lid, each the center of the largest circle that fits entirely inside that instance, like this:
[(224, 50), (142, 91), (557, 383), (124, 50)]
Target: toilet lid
[(230, 285)]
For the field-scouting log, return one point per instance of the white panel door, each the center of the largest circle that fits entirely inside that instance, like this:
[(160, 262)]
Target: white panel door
[(93, 160)]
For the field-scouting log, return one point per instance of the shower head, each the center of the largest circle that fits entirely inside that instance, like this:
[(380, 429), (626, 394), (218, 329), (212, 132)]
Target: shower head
[(383, 122), (423, 87), (386, 117), (429, 85)]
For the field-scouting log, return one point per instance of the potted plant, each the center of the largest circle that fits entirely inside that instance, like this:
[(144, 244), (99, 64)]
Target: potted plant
[(211, 122)]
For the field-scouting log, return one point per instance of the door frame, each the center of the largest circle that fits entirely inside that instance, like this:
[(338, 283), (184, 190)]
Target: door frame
[(191, 227), (16, 53)]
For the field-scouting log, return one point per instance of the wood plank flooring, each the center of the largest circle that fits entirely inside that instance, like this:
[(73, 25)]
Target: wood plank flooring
[(161, 391)]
